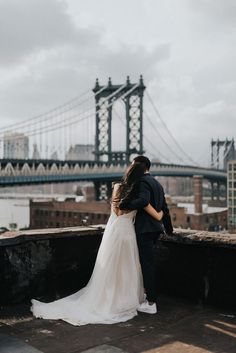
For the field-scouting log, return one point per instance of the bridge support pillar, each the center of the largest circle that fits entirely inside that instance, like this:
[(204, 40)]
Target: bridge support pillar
[(103, 190), (212, 190), (218, 190), (224, 190)]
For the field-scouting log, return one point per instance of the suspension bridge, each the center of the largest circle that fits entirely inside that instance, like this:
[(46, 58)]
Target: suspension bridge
[(46, 148)]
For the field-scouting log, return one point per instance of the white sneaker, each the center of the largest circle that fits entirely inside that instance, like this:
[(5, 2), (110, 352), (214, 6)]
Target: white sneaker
[(145, 307)]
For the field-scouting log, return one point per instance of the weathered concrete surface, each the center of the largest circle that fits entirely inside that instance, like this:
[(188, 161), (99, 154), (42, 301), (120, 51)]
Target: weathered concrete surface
[(179, 327), (187, 236), (18, 237), (10, 344), (51, 263), (198, 265), (46, 264)]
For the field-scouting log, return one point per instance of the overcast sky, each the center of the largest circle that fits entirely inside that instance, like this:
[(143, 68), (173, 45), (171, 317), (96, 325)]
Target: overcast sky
[(53, 50)]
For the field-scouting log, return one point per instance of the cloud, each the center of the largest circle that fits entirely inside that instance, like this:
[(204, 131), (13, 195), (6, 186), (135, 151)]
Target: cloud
[(53, 50), (50, 59), (215, 12), (30, 26)]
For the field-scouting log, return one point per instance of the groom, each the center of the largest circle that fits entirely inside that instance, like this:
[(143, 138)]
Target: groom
[(148, 229)]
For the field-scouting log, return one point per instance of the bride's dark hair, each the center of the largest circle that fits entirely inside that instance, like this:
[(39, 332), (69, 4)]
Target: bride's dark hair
[(128, 187)]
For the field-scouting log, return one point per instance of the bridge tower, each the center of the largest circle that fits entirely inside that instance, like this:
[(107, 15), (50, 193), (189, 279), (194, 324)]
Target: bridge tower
[(220, 159), (132, 96), (228, 152)]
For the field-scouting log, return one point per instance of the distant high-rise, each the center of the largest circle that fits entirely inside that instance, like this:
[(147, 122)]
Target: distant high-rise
[(81, 152), (16, 146), (231, 195), (36, 154)]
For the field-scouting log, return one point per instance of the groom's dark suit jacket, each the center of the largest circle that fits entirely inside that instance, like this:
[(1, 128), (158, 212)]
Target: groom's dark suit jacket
[(149, 191)]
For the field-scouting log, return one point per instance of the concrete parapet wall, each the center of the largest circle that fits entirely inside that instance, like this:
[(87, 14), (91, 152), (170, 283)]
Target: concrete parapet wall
[(51, 263), (198, 265)]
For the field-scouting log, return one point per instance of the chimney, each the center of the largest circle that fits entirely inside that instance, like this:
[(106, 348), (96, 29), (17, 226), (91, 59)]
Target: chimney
[(197, 187)]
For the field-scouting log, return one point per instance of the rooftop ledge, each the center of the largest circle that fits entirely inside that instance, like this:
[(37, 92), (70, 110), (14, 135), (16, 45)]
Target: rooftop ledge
[(51, 263), (184, 236)]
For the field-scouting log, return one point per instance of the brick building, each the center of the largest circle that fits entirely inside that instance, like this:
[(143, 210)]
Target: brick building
[(212, 219), (198, 216), (53, 214)]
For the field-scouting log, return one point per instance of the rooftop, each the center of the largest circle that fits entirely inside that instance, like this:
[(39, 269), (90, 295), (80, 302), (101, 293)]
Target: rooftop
[(181, 325), (178, 327)]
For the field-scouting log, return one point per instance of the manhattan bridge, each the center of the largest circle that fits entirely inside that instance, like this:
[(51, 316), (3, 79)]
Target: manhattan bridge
[(50, 140)]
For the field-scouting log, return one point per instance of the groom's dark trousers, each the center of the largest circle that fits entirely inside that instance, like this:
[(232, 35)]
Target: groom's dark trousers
[(147, 228)]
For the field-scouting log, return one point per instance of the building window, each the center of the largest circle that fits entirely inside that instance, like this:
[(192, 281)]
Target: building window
[(57, 213), (188, 219)]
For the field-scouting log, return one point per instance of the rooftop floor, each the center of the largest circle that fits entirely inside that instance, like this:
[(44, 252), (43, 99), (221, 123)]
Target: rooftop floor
[(179, 327)]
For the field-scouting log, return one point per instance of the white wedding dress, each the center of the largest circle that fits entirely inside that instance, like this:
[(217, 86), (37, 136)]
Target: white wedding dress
[(115, 288)]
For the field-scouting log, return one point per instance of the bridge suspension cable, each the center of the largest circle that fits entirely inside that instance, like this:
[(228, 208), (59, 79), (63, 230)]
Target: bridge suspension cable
[(49, 114), (71, 120), (43, 129), (25, 122), (56, 125), (168, 131), (161, 137), (155, 149)]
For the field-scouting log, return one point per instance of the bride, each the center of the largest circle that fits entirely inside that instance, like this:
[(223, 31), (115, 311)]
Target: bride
[(115, 289)]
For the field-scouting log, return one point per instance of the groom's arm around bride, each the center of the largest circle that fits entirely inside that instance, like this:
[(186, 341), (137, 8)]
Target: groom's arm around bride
[(149, 191)]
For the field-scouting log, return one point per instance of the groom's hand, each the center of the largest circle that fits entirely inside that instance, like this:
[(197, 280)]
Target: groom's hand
[(123, 205)]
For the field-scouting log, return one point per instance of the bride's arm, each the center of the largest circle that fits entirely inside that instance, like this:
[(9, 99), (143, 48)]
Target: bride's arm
[(152, 212), (114, 203)]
